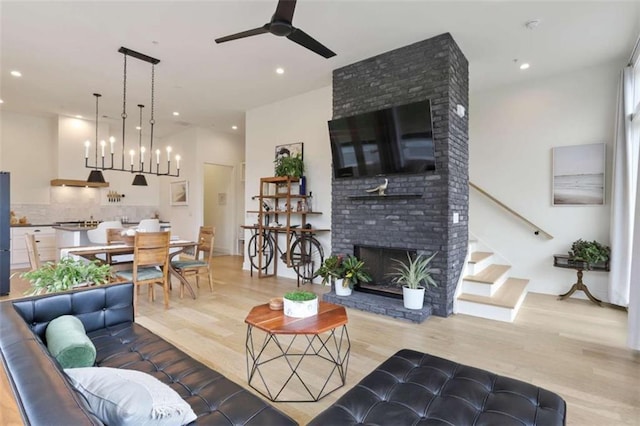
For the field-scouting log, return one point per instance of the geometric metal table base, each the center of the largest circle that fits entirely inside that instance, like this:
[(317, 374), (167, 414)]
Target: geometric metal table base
[(283, 367)]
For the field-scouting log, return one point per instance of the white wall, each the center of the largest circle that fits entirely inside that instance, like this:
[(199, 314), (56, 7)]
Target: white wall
[(301, 118), (512, 132), (28, 147), (198, 146)]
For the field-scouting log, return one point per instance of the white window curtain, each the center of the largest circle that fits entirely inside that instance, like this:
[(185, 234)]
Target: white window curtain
[(624, 284)]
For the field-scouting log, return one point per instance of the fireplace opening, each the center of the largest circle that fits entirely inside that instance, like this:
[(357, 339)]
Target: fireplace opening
[(379, 263)]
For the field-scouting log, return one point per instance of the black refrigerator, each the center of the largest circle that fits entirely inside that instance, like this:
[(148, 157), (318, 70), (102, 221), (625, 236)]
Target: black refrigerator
[(5, 253)]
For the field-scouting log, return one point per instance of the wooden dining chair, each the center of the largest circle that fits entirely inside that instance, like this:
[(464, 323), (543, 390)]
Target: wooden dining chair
[(32, 251), (150, 264), (196, 267), (114, 236)]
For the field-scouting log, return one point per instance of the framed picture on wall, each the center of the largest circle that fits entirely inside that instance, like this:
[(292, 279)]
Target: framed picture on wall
[(578, 175), (179, 193), (290, 150)]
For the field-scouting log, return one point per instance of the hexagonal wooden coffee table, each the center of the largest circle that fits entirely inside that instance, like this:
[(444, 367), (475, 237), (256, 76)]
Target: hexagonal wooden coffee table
[(297, 359)]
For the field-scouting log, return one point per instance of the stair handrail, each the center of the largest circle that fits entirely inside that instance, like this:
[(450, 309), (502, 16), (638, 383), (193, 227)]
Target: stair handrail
[(537, 229)]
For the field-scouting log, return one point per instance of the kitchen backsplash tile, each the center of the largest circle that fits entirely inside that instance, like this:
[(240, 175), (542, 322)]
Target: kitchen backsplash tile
[(78, 210)]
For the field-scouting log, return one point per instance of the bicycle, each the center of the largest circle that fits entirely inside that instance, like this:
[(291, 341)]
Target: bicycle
[(305, 253)]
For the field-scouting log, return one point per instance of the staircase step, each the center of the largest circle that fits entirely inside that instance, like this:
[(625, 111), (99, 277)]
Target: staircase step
[(487, 281), (479, 256), (503, 306), (506, 297), (489, 275), (478, 260)]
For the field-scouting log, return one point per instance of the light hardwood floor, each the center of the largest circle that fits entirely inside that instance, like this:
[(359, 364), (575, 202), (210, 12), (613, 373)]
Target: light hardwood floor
[(571, 347)]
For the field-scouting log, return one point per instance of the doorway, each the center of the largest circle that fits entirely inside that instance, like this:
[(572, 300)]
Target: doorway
[(219, 206)]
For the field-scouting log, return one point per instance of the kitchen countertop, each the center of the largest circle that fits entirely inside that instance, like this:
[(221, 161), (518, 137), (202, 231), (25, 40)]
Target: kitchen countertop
[(72, 227)]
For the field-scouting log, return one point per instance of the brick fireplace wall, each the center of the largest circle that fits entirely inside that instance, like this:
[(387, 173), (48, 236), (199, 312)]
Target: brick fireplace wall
[(432, 69)]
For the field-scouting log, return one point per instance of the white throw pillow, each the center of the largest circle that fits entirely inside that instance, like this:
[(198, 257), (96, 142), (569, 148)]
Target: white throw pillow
[(128, 397)]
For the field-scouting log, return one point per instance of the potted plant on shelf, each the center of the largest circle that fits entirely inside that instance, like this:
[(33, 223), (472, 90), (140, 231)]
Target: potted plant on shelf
[(300, 304), (411, 275), (291, 166), (65, 275), (589, 253), (352, 273)]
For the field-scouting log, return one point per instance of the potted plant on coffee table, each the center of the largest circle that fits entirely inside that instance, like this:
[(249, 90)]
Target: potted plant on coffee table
[(411, 276), (300, 304), (352, 273), (65, 275)]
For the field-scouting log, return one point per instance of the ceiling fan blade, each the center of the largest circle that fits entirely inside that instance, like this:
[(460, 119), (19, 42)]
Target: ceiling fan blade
[(305, 40), (243, 34), (284, 11)]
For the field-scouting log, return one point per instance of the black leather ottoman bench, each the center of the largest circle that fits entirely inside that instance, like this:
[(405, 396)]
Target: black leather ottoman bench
[(414, 388)]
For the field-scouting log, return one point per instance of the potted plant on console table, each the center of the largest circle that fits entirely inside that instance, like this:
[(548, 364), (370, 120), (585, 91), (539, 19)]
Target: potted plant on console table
[(411, 275)]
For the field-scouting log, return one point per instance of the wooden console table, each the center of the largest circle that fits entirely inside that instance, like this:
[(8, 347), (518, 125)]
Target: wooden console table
[(564, 261)]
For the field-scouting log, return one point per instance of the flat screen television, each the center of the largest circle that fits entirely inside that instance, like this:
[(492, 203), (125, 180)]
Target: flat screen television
[(395, 140)]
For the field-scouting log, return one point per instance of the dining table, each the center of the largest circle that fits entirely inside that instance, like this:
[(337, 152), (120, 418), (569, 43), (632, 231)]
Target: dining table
[(92, 253)]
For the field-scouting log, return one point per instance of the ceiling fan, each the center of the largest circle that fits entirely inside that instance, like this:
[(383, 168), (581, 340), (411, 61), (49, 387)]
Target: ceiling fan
[(281, 26)]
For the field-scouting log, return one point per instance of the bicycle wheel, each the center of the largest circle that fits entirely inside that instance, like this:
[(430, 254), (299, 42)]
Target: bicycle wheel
[(253, 252), (306, 256)]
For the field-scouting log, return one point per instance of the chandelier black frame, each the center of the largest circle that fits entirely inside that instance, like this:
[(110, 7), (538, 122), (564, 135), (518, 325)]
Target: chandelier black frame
[(96, 173)]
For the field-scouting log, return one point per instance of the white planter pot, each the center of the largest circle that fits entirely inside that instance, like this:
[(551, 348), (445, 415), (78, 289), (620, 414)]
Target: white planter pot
[(413, 299), (341, 290), (298, 309)]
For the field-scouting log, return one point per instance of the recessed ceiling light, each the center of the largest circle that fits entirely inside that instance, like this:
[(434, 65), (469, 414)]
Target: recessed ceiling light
[(279, 70), (176, 113), (1, 101), (16, 73), (524, 66), (234, 127), (78, 116), (138, 128)]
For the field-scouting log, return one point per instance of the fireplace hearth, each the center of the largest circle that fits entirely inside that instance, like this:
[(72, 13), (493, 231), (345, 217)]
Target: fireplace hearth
[(380, 262)]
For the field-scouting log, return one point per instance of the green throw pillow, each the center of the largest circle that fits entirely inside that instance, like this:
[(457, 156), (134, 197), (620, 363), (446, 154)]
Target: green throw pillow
[(69, 344)]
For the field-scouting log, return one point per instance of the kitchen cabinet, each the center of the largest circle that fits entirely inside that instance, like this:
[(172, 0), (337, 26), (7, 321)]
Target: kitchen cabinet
[(45, 242)]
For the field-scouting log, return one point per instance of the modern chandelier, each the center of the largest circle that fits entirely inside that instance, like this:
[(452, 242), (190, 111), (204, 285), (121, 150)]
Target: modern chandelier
[(135, 167)]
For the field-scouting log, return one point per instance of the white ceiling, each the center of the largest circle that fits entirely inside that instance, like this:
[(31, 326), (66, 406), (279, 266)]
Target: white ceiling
[(68, 50)]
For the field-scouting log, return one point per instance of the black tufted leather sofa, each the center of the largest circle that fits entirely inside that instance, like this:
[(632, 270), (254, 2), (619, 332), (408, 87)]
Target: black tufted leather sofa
[(413, 388), (46, 397)]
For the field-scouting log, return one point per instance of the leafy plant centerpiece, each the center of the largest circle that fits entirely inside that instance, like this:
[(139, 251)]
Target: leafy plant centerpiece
[(292, 166), (66, 274), (300, 304), (589, 252)]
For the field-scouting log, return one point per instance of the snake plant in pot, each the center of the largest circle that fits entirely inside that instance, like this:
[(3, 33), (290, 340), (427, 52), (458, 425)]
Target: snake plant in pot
[(411, 276)]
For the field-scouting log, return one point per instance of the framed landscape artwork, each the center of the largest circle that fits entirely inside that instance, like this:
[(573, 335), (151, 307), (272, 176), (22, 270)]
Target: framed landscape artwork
[(578, 175), (179, 193)]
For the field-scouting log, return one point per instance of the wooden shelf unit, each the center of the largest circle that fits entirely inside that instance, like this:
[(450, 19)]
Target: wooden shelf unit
[(281, 209)]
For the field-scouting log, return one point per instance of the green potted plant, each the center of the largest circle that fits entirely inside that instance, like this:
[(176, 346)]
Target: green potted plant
[(300, 304), (352, 273), (65, 275), (331, 269), (411, 276), (292, 166), (590, 253)]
